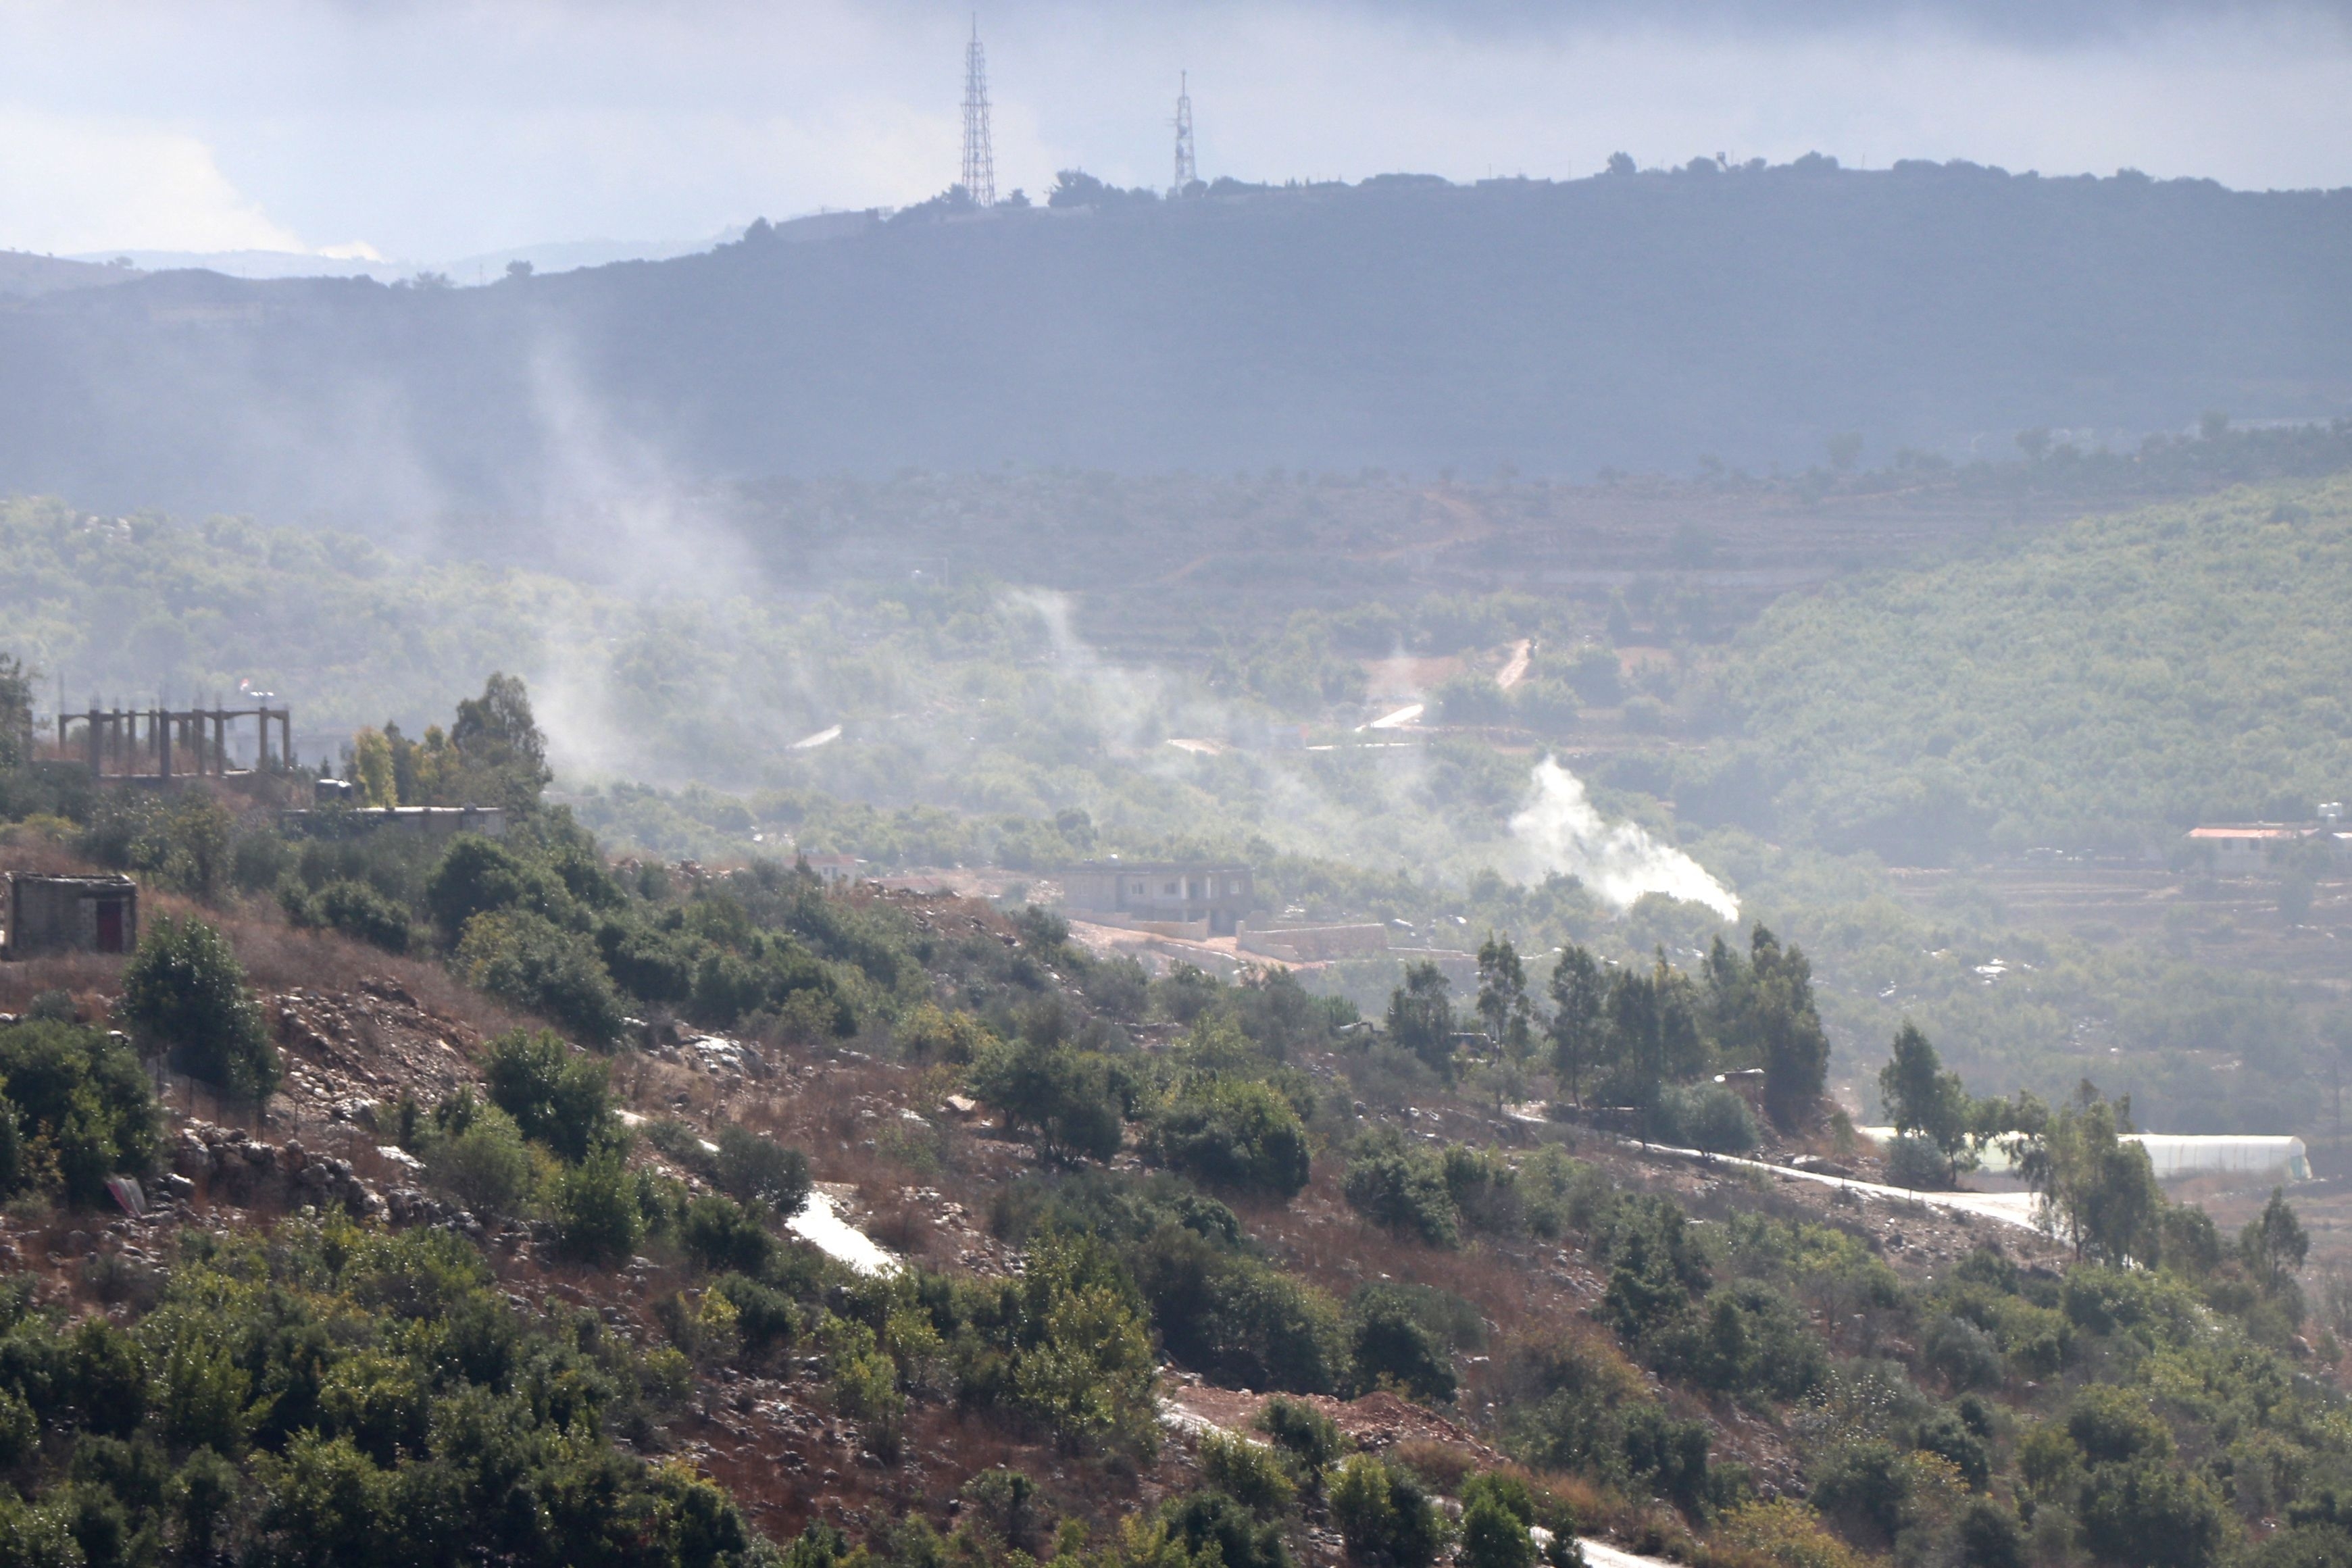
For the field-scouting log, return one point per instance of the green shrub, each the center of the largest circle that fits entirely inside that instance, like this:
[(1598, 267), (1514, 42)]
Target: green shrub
[(1005, 1503), (328, 1504), (204, 1393), (596, 1214), (1746, 1340), (1710, 1118), (2147, 1514), (1385, 1518), (1212, 1527), (2114, 1425), (353, 908), (1421, 1018), (1484, 1188), (107, 1378), (528, 960), (555, 1097), (477, 1154), (183, 989), (1390, 1345), (1493, 1536), (1917, 1164), (1246, 1472), (1393, 1184), (757, 1170), (477, 876), (864, 1381), (1963, 1354), (2190, 1244), (2301, 1546), (1667, 1454), (20, 1429), (1074, 1100), (1948, 1435), (1866, 1485), (738, 971), (202, 1495), (723, 1236), (1084, 1370), (1236, 1319), (182, 842), (77, 1109), (1991, 1536), (1302, 1431), (1235, 1134), (765, 1317)]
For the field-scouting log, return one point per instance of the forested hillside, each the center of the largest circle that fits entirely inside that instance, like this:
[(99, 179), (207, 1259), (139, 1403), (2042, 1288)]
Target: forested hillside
[(556, 1301), (2101, 688), (1639, 320)]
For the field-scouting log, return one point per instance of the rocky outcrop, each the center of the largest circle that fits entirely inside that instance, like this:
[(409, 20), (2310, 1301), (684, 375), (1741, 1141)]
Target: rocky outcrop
[(233, 1165)]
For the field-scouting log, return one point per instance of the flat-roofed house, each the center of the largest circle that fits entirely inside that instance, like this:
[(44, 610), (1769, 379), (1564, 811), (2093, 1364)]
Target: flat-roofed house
[(833, 871), (1161, 893), (2251, 849)]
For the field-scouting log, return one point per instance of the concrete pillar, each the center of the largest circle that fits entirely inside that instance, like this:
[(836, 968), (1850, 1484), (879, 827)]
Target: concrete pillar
[(163, 744), (91, 739)]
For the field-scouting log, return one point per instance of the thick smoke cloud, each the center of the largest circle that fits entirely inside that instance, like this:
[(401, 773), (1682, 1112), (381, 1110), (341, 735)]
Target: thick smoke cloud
[(1561, 831)]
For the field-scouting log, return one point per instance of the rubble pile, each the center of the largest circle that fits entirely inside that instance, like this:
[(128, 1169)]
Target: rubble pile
[(348, 1055)]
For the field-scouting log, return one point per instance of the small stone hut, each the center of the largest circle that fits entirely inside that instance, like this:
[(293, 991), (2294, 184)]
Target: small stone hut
[(69, 915)]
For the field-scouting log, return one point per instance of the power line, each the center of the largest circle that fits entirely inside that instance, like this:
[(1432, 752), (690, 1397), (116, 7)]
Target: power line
[(979, 155)]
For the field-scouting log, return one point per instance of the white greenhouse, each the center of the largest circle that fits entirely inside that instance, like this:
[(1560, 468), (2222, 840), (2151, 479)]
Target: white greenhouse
[(2185, 1153)]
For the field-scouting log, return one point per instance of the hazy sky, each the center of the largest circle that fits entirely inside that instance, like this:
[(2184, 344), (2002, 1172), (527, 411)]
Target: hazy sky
[(431, 129)]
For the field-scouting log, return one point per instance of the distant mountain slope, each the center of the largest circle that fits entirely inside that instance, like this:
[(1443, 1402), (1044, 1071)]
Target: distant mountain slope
[(2102, 688), (1634, 320), (22, 275)]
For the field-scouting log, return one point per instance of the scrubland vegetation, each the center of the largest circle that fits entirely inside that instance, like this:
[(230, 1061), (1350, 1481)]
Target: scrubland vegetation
[(1475, 1320)]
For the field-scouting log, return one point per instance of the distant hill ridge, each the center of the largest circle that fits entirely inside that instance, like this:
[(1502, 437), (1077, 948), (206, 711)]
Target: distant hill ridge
[(22, 274), (1639, 320)]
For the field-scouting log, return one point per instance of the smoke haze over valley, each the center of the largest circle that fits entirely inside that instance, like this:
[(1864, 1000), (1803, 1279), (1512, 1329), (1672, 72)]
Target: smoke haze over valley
[(1328, 784)]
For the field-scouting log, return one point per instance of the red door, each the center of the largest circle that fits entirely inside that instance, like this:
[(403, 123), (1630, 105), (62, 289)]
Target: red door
[(109, 925)]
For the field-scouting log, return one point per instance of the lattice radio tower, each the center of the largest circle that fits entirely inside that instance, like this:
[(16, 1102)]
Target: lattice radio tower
[(1185, 173), (979, 155)]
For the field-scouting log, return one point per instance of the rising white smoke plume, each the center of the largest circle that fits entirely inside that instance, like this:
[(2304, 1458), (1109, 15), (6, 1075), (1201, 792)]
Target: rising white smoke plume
[(1561, 832)]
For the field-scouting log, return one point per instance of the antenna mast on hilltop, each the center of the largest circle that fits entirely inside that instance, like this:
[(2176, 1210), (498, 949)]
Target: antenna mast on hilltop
[(979, 155), (1185, 174)]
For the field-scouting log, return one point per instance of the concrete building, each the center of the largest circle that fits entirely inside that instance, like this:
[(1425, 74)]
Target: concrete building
[(1161, 893), (2253, 849), (833, 871), (69, 914), (2245, 849)]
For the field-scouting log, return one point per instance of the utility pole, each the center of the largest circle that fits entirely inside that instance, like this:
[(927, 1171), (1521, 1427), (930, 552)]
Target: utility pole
[(979, 155), (1185, 173)]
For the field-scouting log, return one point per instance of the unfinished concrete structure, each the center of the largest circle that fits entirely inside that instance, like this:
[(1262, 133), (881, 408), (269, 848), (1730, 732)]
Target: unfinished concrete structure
[(129, 743), (69, 914), (1157, 893)]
